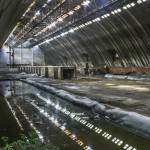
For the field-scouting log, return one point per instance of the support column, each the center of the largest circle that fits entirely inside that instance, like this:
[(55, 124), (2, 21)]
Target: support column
[(21, 54), (10, 57), (32, 57)]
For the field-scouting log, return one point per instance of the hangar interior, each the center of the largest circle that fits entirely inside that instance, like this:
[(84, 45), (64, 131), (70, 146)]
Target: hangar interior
[(76, 73)]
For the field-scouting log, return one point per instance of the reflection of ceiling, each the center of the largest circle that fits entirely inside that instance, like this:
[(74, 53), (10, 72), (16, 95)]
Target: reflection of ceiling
[(10, 12)]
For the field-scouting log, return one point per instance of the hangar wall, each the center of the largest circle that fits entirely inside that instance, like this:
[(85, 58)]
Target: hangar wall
[(120, 40), (27, 56), (4, 58), (23, 56)]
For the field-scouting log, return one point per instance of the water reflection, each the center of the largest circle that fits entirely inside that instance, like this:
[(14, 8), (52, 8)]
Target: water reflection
[(66, 125), (9, 123)]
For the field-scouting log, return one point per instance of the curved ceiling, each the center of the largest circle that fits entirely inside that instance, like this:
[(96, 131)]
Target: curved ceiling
[(121, 39), (126, 34), (10, 13)]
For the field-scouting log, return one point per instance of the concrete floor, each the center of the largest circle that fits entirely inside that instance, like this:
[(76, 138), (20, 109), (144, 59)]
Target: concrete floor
[(131, 96), (126, 94), (33, 104)]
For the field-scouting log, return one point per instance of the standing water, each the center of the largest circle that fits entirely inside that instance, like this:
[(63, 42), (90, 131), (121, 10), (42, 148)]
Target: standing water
[(64, 124)]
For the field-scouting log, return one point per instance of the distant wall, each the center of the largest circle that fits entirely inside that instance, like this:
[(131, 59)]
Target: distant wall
[(23, 56), (29, 56), (4, 58), (38, 56)]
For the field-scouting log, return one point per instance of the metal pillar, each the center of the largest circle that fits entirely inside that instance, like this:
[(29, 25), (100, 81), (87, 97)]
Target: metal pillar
[(32, 57), (9, 53), (13, 58)]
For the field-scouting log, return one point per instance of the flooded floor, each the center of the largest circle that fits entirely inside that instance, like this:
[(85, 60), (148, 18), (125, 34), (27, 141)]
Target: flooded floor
[(127, 94), (8, 124), (66, 125)]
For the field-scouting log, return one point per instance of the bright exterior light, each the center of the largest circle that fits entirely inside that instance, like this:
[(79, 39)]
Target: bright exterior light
[(62, 34), (53, 24), (88, 148), (124, 7), (42, 111), (57, 106), (48, 102), (71, 12), (71, 30), (63, 127), (48, 1), (119, 10), (60, 19), (86, 3), (38, 94), (37, 13), (52, 118), (96, 20), (139, 1), (44, 5), (132, 4), (128, 6), (77, 7)]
